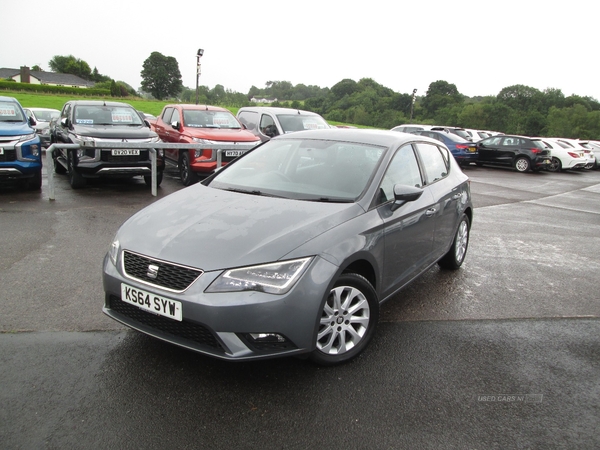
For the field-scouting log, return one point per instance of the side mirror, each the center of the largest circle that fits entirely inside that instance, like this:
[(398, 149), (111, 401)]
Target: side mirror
[(404, 193), (64, 122), (175, 125), (32, 122), (271, 131)]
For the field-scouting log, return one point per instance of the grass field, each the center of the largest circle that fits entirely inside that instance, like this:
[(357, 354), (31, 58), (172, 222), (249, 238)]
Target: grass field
[(28, 100), (154, 107)]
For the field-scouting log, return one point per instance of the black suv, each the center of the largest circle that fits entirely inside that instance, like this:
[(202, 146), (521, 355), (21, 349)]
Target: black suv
[(89, 124), (522, 153)]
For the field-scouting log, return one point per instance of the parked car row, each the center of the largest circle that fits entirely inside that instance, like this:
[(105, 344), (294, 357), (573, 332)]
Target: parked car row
[(523, 153)]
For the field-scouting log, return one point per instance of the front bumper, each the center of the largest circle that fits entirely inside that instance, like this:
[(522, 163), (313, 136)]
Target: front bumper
[(542, 161), (225, 325), (105, 165)]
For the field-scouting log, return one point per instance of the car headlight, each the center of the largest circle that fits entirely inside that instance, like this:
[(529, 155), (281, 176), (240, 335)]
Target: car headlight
[(273, 278), (26, 137), (113, 251), (203, 141), (84, 138)]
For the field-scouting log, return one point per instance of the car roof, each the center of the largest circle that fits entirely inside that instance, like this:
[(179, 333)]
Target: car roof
[(385, 138), (276, 110), (97, 103), (33, 108), (8, 99), (196, 107)]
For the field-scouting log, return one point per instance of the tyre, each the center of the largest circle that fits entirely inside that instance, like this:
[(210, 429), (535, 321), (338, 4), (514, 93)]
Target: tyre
[(348, 320), (188, 177), (522, 164), (75, 179), (458, 250), (555, 166), (159, 178), (35, 183)]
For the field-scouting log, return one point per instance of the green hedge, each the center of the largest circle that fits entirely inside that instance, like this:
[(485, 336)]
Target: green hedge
[(45, 88)]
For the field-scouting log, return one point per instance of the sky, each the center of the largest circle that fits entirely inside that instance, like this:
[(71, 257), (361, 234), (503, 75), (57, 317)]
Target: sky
[(479, 46)]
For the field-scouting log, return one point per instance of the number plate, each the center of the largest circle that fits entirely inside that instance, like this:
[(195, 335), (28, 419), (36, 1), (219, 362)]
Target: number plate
[(151, 302), (472, 149), (125, 152), (234, 153)]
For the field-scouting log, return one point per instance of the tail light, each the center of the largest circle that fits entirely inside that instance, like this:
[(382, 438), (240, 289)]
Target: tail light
[(535, 150), (462, 146), (573, 155)]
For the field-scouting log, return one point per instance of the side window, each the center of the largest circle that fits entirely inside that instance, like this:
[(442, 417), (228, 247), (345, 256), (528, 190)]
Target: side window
[(166, 117), (249, 119), (175, 117), (267, 126), (403, 169), (434, 164), (66, 111)]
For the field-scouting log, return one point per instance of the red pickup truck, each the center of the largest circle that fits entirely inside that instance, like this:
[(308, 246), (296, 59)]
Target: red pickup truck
[(200, 124)]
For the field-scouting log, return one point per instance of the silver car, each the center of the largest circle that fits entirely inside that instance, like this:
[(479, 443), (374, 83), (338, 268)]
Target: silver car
[(291, 248), (42, 118)]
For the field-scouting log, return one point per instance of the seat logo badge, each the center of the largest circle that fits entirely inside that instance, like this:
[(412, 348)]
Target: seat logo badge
[(152, 271)]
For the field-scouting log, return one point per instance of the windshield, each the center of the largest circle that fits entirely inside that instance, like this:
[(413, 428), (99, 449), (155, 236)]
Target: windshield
[(209, 119), (462, 133), (106, 115), (298, 122), (10, 112), (303, 169), (45, 116)]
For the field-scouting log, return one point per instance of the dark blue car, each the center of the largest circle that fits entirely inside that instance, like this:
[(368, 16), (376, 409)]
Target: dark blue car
[(464, 151), (20, 148)]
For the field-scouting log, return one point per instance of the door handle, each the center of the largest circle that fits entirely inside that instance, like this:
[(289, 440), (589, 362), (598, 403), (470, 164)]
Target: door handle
[(430, 212), (456, 196)]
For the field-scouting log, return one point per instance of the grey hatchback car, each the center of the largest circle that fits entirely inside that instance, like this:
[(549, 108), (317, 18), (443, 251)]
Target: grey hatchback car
[(292, 247)]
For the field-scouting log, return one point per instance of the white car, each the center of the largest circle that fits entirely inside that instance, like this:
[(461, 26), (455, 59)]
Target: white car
[(595, 147), (477, 135), (564, 157), (579, 145)]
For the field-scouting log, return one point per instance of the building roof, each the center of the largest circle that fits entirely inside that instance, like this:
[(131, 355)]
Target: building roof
[(48, 77)]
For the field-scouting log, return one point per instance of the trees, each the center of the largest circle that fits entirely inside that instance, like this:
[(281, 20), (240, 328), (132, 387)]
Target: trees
[(72, 65), (161, 76)]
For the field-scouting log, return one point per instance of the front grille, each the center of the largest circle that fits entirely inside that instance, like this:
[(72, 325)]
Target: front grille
[(190, 331), (8, 155), (169, 276), (106, 156)]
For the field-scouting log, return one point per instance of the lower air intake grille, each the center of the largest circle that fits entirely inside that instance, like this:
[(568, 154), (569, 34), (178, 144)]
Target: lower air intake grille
[(187, 330)]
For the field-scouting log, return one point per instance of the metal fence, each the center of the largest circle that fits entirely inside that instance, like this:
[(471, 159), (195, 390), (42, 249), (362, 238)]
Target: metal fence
[(153, 147)]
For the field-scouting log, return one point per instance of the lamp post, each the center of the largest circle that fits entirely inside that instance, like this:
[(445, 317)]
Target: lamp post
[(412, 104), (198, 56)]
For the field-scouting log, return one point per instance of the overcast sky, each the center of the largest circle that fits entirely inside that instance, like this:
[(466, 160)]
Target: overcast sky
[(479, 47)]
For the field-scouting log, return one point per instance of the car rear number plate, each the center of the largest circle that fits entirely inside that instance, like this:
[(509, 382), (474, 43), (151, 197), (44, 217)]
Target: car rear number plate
[(125, 152), (472, 149), (151, 302), (232, 153)]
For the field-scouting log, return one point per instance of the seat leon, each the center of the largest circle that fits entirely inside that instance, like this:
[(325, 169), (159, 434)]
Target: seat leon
[(291, 248)]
